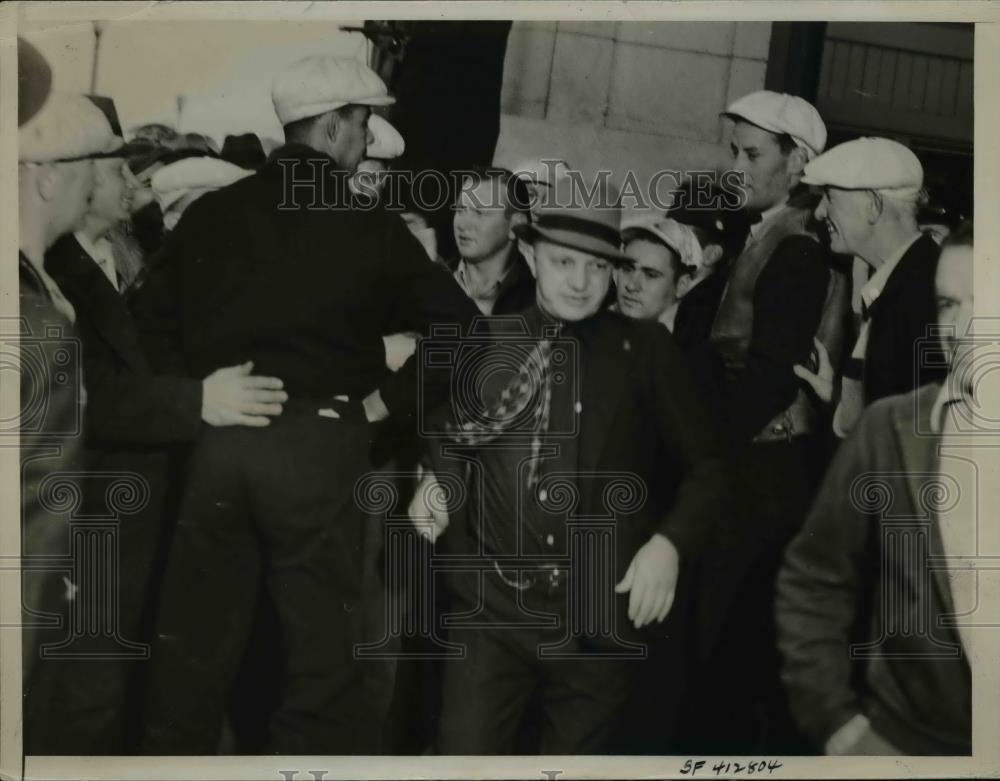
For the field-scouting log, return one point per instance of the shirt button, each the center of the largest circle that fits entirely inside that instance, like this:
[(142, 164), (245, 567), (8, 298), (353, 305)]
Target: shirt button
[(578, 407), (543, 495), (550, 540)]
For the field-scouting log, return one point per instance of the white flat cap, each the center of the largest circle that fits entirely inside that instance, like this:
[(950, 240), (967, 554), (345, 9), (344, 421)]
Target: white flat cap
[(782, 113), (677, 236), (322, 83), (387, 143), (67, 126), (868, 164)]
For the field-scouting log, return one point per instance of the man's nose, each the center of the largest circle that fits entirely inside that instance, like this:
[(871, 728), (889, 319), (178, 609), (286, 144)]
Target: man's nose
[(578, 279), (820, 212), (633, 282)]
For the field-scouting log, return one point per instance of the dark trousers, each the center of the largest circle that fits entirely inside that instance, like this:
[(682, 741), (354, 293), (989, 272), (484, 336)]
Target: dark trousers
[(487, 694), (276, 504), (84, 699), (737, 703)]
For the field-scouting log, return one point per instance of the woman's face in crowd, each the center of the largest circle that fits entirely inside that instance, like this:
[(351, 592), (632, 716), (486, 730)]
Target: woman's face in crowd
[(647, 285)]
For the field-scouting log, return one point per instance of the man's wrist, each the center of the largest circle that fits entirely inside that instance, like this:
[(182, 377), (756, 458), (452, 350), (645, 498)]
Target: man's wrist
[(841, 741), (375, 409)]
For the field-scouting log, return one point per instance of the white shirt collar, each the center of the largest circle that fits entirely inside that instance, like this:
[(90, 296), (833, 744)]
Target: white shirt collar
[(767, 215), (951, 392), (669, 315), (101, 253), (873, 287), (484, 299)]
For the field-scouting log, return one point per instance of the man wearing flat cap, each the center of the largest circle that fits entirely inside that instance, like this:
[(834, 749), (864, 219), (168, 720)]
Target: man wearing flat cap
[(871, 189), (892, 544), (580, 409), (56, 132), (132, 419), (279, 269), (779, 294)]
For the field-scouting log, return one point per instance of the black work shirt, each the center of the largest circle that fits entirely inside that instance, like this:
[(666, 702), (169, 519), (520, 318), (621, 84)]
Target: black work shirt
[(518, 521), (302, 280)]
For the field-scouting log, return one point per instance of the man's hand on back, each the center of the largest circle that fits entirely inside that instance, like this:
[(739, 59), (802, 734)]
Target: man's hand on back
[(234, 397)]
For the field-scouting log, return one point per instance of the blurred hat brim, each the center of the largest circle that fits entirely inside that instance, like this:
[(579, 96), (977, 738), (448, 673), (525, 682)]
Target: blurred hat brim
[(34, 81)]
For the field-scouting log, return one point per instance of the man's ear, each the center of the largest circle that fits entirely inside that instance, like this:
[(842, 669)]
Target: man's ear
[(873, 208), (684, 283), (516, 218), (331, 126), (47, 182), (711, 255), (797, 160)]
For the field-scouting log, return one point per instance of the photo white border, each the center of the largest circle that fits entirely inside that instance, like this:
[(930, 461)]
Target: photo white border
[(986, 684)]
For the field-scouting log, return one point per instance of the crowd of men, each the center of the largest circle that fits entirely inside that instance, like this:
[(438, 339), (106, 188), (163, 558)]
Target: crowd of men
[(643, 447)]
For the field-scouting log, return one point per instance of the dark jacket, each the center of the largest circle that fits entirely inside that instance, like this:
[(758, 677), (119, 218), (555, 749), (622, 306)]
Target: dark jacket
[(130, 418), (517, 289), (900, 351), (640, 416), (770, 311), (299, 281), (49, 427), (696, 311), (860, 571), (128, 405)]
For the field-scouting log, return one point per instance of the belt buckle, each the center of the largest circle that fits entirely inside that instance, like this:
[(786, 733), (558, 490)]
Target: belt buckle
[(521, 584), (784, 428), (554, 575)]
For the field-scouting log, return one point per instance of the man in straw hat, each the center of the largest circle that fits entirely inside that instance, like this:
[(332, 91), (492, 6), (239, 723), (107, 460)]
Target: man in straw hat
[(272, 270), (585, 413), (871, 189)]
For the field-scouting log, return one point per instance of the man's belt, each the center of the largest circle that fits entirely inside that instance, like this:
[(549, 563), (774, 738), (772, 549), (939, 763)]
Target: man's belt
[(798, 419), (547, 576)]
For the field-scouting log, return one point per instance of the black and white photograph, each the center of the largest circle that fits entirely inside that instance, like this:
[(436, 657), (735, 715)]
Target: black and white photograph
[(487, 393)]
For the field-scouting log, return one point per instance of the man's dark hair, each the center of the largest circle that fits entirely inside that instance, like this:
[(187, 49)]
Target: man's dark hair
[(786, 143), (638, 233), (517, 197), (960, 237), (298, 131)]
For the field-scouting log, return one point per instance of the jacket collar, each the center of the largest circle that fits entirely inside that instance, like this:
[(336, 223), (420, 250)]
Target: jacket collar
[(918, 449), (876, 284), (897, 280)]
